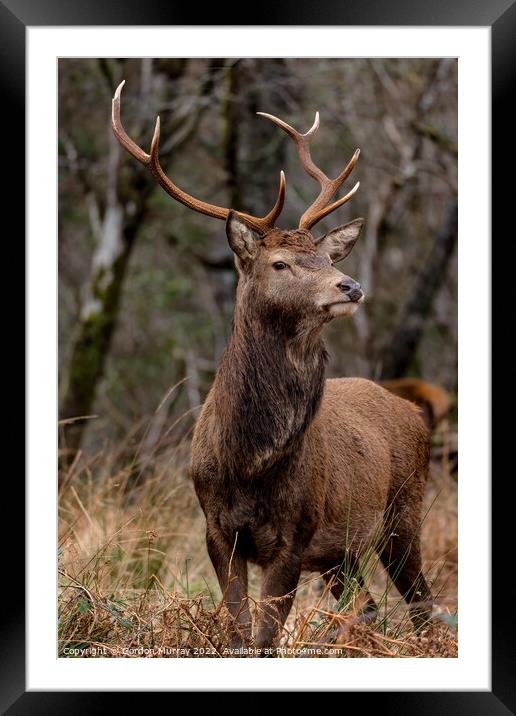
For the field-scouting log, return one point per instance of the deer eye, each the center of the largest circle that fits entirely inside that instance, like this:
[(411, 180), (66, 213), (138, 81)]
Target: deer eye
[(279, 265)]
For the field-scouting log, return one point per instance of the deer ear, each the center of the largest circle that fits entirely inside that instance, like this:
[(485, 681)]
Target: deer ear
[(240, 238), (339, 242)]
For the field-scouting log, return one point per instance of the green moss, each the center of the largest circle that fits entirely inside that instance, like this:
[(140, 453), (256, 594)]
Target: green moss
[(92, 340)]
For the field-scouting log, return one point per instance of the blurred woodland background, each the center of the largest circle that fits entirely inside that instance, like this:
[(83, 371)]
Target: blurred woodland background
[(146, 287), (146, 295)]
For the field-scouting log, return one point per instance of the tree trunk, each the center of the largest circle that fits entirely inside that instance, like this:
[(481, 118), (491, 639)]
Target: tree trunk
[(98, 317), (399, 352), (232, 112), (261, 161)]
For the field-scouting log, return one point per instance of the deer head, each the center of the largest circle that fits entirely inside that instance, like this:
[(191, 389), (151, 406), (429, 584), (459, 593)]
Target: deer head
[(286, 272)]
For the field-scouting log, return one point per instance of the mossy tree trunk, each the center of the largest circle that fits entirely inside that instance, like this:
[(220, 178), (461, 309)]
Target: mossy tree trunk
[(115, 236)]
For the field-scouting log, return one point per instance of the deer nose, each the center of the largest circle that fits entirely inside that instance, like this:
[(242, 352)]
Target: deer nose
[(352, 289)]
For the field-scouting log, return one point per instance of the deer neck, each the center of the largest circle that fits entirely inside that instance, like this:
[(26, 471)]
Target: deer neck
[(267, 390)]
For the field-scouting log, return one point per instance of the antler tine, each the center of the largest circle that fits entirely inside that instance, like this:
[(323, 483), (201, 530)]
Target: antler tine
[(320, 207), (260, 224), (120, 132), (270, 219)]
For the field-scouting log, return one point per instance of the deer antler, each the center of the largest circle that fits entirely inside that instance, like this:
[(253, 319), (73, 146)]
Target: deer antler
[(320, 208), (260, 224)]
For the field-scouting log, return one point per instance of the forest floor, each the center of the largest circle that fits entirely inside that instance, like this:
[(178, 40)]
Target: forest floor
[(135, 579)]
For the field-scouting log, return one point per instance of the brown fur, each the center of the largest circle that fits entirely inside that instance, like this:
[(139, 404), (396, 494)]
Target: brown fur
[(433, 400), (294, 471)]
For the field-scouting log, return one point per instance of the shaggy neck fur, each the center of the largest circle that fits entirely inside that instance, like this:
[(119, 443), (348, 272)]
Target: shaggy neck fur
[(267, 389)]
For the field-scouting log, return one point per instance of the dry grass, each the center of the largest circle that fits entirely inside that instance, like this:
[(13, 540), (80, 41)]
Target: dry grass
[(135, 579)]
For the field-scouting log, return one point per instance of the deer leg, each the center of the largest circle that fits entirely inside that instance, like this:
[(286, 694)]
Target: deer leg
[(401, 552), (280, 580), (231, 570), (340, 577), (402, 560)]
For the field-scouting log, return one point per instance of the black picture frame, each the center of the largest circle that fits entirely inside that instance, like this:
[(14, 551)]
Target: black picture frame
[(500, 16)]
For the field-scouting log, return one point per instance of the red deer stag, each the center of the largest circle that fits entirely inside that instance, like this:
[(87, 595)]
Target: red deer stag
[(295, 472)]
